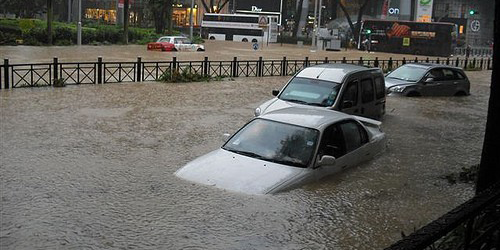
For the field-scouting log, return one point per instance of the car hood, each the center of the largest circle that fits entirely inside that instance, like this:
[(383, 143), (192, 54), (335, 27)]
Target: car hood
[(234, 172), (391, 82), (277, 104)]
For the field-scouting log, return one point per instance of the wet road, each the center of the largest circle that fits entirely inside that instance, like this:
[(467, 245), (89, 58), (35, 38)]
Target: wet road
[(91, 167), (215, 50)]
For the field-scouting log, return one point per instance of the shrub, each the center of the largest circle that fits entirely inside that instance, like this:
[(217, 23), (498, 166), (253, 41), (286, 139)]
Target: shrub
[(184, 76), (7, 39)]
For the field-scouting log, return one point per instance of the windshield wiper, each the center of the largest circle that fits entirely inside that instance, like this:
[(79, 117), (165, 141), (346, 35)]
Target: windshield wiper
[(246, 153), (295, 100), (285, 162), (304, 102)]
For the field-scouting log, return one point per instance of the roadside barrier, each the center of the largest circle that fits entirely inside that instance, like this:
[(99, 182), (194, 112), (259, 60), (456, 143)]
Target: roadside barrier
[(101, 72)]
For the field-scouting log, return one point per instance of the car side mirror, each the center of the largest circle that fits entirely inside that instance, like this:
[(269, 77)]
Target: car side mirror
[(275, 92), (326, 160), (429, 80), (225, 137), (347, 104)]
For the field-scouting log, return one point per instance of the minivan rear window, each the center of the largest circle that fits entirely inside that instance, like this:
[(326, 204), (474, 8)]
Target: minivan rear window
[(379, 87), (367, 92)]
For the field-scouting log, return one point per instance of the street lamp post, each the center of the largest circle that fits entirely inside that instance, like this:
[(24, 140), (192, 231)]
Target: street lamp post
[(320, 46), (313, 39), (191, 20), (79, 27)]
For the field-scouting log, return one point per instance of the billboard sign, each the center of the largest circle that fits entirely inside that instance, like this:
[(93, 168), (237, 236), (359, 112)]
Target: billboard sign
[(259, 5), (424, 10)]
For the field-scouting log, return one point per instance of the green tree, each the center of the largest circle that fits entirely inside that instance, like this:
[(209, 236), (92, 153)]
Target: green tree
[(162, 12), (21, 9), (214, 6), (355, 28)]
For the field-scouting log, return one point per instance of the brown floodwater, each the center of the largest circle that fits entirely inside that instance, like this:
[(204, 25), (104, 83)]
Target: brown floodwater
[(91, 167), (215, 50)]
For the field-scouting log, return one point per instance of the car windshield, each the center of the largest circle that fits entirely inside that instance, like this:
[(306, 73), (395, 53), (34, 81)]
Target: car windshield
[(310, 92), (408, 73), (275, 142), (183, 41)]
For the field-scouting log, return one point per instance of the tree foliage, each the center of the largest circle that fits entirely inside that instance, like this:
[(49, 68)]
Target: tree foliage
[(355, 28), (23, 10), (214, 6), (162, 12)]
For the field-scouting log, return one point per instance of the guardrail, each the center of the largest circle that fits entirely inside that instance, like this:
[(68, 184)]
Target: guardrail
[(100, 72), (473, 225), (474, 52)]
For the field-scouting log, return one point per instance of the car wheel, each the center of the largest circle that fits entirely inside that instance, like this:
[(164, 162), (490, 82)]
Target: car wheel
[(244, 40), (460, 93), (254, 40), (174, 49), (200, 49), (212, 38), (413, 94)]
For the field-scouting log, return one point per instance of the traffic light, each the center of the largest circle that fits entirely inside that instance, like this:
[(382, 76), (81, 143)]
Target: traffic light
[(368, 31), (472, 12)]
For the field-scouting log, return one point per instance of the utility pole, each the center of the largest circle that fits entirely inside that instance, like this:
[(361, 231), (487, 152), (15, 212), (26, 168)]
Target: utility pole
[(191, 20), (125, 21), (320, 46), (313, 38), (50, 16), (79, 27), (489, 168)]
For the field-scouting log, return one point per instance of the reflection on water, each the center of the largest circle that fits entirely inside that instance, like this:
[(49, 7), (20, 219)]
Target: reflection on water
[(92, 167)]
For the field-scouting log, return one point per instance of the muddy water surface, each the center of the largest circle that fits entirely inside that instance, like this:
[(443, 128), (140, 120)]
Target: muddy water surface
[(91, 167)]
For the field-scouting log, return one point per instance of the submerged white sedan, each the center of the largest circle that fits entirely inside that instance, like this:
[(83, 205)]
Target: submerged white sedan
[(287, 148)]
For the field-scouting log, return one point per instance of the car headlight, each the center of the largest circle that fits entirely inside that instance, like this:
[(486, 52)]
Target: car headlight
[(397, 89), (257, 112)]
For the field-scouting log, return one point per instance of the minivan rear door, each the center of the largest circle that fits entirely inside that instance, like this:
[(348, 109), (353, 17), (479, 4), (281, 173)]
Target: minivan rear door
[(368, 108)]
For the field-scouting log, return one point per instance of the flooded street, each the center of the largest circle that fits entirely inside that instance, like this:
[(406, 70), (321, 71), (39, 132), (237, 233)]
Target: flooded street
[(129, 53), (91, 167)]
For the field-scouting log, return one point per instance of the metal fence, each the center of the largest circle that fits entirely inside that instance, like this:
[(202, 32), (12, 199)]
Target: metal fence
[(473, 225), (474, 52), (99, 72)]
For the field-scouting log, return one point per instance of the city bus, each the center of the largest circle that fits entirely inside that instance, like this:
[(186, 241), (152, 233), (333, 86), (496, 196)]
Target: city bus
[(239, 27), (405, 37)]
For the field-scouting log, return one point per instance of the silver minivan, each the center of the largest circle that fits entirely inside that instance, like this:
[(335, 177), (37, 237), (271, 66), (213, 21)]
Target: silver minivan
[(349, 88)]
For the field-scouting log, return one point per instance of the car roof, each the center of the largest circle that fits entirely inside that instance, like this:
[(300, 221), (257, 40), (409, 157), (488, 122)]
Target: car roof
[(430, 65), (334, 72), (311, 117)]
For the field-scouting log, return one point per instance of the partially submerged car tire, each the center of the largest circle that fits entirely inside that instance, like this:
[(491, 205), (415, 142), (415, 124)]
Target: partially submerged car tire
[(413, 94)]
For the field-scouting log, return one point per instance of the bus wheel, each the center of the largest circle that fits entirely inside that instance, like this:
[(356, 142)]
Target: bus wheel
[(244, 40), (254, 40), (416, 52), (200, 49), (212, 38)]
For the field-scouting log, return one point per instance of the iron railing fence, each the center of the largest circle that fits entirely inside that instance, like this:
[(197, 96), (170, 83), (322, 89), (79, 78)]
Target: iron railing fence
[(473, 225), (474, 52), (43, 74)]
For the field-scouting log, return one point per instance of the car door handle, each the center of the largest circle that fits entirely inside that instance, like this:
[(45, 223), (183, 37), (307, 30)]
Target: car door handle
[(455, 82)]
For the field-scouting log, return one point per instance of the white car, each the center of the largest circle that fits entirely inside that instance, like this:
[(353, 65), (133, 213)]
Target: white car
[(287, 148), (175, 43)]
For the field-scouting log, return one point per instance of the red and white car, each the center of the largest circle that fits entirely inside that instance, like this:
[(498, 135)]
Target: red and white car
[(175, 43)]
